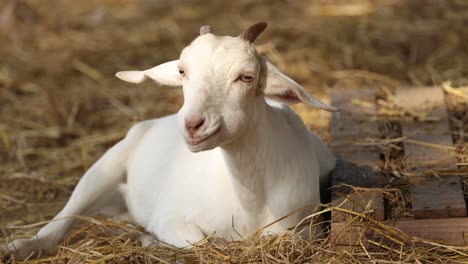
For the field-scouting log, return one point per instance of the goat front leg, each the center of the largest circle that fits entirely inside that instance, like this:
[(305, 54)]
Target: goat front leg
[(96, 190)]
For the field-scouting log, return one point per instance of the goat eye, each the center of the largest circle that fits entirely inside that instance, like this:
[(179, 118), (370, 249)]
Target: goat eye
[(181, 72), (246, 78)]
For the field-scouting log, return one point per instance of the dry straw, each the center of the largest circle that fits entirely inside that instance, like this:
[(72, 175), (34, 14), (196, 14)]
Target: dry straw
[(61, 108)]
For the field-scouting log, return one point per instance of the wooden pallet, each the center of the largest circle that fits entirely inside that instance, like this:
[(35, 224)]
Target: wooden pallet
[(438, 205)]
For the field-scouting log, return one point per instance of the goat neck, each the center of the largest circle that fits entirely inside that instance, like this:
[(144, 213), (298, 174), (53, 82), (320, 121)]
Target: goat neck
[(256, 159)]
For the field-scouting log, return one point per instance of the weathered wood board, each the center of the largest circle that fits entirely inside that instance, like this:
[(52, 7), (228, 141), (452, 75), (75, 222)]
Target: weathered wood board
[(351, 234), (355, 123), (429, 125), (438, 198), (450, 231), (361, 202), (428, 149), (351, 174)]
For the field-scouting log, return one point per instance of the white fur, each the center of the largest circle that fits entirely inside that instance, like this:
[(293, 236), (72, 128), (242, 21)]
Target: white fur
[(257, 164)]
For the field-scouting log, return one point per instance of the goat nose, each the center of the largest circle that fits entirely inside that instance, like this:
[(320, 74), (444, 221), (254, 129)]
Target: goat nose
[(193, 124)]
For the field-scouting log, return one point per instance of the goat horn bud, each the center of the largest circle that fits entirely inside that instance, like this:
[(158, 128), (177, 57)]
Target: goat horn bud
[(205, 30), (253, 31)]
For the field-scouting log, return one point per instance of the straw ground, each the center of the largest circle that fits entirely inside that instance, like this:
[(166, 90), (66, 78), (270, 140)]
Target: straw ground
[(61, 108)]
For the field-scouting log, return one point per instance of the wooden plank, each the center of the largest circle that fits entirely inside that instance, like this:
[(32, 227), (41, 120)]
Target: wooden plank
[(344, 233), (356, 122), (449, 231), (351, 174), (435, 198), (360, 202), (430, 125), (350, 234)]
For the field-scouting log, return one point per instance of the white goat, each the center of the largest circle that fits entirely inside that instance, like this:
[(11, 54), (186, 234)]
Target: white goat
[(238, 159)]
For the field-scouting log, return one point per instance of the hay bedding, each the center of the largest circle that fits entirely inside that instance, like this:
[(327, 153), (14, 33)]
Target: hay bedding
[(61, 108)]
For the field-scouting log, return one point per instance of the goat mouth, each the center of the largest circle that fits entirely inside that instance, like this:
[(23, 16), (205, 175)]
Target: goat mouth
[(198, 141)]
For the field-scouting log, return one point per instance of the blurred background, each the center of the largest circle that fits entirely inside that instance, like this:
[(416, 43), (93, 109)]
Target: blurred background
[(61, 106)]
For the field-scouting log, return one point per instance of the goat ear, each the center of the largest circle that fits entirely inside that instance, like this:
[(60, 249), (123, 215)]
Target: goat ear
[(165, 74), (277, 86)]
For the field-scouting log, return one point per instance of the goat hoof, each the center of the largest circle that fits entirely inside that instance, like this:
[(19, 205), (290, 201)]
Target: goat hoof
[(21, 249)]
